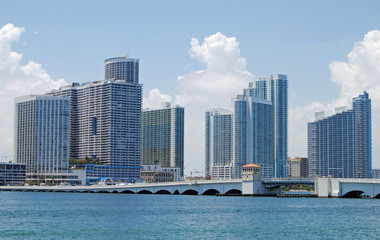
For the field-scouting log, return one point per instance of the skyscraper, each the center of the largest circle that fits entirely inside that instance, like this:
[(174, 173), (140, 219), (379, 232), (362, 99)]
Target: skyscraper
[(163, 136), (253, 135), (259, 128), (106, 119), (42, 135), (274, 88), (219, 143), (341, 145)]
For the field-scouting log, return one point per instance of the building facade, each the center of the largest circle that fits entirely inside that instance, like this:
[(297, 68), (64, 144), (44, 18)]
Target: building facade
[(298, 167), (253, 135), (375, 173), (156, 174), (341, 145), (219, 143), (258, 127), (274, 88), (41, 132), (106, 119), (122, 68), (12, 174), (163, 136)]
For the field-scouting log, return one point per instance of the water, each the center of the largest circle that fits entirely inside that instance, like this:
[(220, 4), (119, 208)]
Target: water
[(32, 215)]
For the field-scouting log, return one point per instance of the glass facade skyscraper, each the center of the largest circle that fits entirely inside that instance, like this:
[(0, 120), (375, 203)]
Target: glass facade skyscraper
[(341, 145), (253, 135), (259, 128), (274, 88), (42, 134), (163, 136)]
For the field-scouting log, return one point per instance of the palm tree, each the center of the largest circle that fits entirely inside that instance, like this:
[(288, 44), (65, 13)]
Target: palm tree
[(41, 178)]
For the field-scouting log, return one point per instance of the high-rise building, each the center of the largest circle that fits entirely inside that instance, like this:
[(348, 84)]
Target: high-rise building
[(106, 120), (253, 135), (163, 136), (274, 88), (259, 129), (219, 143), (341, 145), (41, 138)]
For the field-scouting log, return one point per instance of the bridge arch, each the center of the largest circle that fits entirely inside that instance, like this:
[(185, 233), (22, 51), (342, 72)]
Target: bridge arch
[(176, 192), (353, 194), (144, 192), (162, 191), (190, 192), (103, 191), (233, 192), (127, 192), (377, 196), (211, 192)]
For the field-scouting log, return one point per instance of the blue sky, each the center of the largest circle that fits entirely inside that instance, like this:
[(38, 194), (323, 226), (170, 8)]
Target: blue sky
[(71, 39)]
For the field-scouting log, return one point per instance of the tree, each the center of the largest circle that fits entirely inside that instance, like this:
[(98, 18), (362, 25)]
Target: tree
[(41, 178)]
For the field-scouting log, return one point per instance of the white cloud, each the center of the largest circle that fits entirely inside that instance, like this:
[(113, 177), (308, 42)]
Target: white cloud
[(360, 73), (223, 77), (155, 99), (17, 80)]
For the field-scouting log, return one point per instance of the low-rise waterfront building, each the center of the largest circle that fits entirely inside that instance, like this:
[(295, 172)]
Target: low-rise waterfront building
[(155, 174), (298, 167), (12, 174)]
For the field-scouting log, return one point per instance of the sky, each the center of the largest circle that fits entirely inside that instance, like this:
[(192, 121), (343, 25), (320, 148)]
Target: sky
[(198, 54)]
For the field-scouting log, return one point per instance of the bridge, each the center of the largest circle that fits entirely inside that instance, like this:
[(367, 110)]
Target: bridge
[(348, 187), (224, 187), (324, 187), (231, 187), (278, 182)]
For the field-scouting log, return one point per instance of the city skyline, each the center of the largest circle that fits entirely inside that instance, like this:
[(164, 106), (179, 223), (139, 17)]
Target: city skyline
[(222, 59)]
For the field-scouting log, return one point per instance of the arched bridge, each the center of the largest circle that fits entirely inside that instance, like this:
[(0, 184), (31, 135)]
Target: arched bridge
[(348, 187), (224, 187)]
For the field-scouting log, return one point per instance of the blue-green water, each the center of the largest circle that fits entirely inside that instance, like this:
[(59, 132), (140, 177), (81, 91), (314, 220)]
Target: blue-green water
[(117, 216)]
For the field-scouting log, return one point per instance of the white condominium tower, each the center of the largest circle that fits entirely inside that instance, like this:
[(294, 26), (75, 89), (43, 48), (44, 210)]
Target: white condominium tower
[(106, 119), (163, 136), (219, 142), (41, 135)]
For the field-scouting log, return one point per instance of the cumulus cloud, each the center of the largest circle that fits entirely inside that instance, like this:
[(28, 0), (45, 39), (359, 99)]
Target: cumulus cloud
[(361, 72), (17, 80), (224, 74), (222, 77), (155, 99)]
